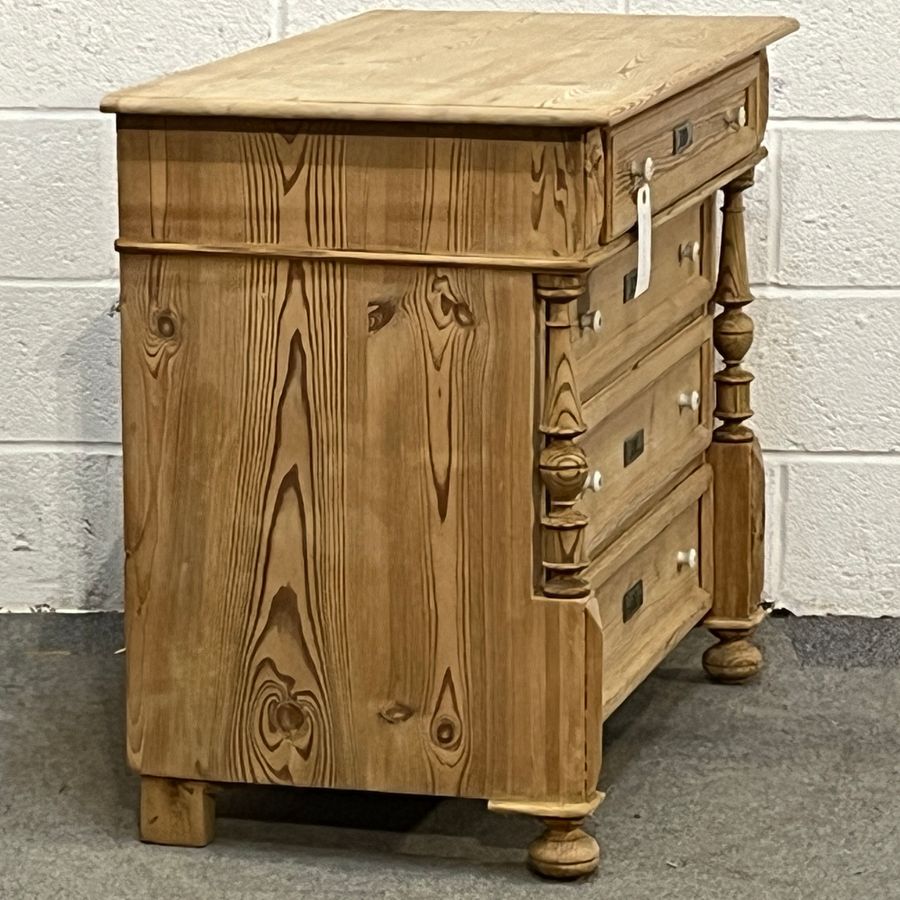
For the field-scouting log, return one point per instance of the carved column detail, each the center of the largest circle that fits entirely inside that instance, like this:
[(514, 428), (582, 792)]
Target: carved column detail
[(562, 463), (733, 328), (739, 489)]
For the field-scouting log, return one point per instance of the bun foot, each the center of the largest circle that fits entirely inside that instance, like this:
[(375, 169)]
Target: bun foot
[(564, 850), (734, 659)]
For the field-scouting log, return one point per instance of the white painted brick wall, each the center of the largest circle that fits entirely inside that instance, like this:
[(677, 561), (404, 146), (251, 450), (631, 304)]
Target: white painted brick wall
[(59, 346), (57, 213), (60, 513), (824, 231)]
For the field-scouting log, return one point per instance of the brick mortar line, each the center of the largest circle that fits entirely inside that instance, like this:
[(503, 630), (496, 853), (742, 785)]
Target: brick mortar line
[(55, 283), (836, 457), (22, 609), (69, 448), (820, 123), (770, 291), (773, 225), (275, 19), (53, 114), (779, 528)]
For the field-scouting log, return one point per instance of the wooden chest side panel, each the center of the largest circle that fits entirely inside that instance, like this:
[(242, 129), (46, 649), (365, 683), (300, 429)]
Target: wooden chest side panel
[(329, 531), (441, 190)]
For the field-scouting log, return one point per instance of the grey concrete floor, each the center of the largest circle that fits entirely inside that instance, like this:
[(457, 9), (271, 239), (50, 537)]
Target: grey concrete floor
[(786, 788)]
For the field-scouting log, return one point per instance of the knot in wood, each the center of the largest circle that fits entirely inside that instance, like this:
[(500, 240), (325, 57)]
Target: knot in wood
[(445, 732), (292, 720), (451, 306), (165, 325), (380, 313), (395, 713)]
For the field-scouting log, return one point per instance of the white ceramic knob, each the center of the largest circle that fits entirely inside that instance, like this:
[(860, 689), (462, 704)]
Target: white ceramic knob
[(644, 171), (687, 558), (594, 481), (689, 400), (690, 251), (737, 117), (592, 321)]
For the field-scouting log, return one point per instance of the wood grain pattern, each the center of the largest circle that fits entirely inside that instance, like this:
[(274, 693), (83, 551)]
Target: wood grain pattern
[(364, 434), (564, 850), (585, 262), (718, 141), (497, 67), (737, 460), (680, 290), (562, 463), (581, 809), (359, 407), (340, 186), (673, 598), (603, 252), (181, 813), (562, 468), (646, 402), (740, 510)]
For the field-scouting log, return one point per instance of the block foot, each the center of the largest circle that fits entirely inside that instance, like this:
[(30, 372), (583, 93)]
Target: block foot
[(181, 813)]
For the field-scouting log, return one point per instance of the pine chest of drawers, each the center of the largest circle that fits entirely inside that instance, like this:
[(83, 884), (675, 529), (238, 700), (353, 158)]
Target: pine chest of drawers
[(426, 462)]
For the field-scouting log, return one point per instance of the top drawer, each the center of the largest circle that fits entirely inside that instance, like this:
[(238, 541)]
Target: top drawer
[(690, 138)]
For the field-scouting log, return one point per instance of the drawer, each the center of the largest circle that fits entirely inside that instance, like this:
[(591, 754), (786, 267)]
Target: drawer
[(645, 429), (653, 585), (613, 327), (690, 138)]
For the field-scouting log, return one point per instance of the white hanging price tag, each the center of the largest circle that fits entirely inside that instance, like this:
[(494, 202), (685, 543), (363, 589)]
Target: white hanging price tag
[(644, 230)]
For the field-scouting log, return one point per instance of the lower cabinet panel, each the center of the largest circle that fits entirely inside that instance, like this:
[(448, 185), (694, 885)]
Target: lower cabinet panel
[(329, 531)]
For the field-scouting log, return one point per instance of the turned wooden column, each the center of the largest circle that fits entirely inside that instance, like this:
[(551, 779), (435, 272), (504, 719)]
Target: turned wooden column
[(739, 485), (564, 849), (563, 465)]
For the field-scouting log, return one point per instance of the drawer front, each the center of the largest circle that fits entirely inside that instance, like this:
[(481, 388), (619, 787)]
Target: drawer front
[(613, 327), (645, 429), (654, 587), (690, 138)]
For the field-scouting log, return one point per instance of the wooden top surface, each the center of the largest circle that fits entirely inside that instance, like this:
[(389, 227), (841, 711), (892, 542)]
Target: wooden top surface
[(487, 67)]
